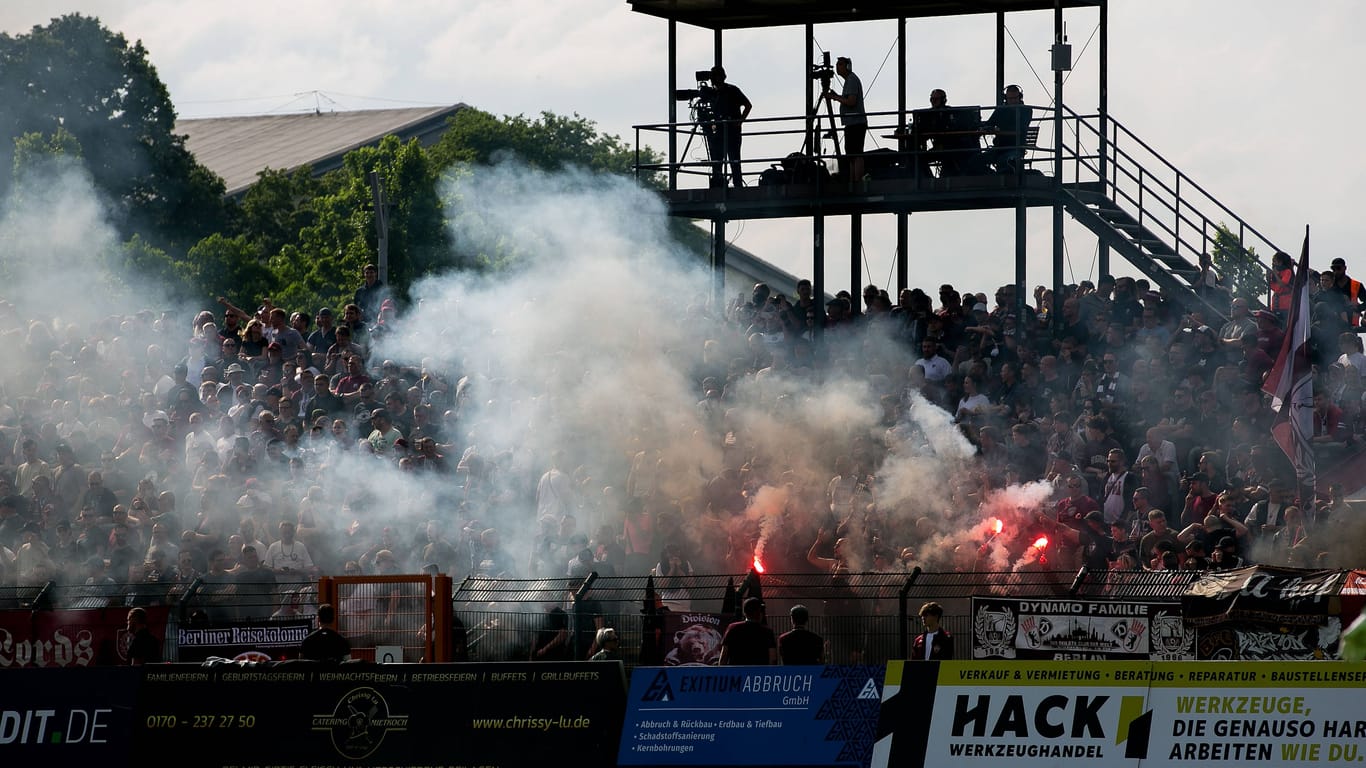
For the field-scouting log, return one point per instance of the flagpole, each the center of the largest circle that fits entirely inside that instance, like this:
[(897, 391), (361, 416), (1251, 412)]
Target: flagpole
[(1291, 386)]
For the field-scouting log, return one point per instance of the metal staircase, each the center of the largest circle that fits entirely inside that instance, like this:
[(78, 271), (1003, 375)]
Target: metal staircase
[(1145, 209)]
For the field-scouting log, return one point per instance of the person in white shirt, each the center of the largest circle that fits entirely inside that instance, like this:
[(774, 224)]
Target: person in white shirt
[(936, 368), (1165, 453), (289, 557)]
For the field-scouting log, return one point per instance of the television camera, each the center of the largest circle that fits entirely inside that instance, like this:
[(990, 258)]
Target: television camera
[(823, 71), (701, 97)]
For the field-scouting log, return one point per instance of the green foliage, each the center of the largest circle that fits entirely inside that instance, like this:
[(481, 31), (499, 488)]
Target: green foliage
[(138, 262), (35, 150), (321, 263), (227, 266), (76, 76), (1241, 270), (279, 205), (552, 143)]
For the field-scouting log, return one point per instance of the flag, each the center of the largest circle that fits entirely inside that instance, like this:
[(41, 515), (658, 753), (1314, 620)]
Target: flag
[(1291, 385)]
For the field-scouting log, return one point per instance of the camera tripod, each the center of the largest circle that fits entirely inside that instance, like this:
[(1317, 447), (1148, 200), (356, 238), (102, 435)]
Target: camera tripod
[(706, 123), (813, 145)]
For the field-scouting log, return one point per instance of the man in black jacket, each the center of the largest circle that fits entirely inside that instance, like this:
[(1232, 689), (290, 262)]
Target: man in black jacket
[(325, 643), (801, 646)]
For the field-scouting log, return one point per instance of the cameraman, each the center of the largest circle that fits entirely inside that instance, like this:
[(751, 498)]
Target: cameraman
[(729, 107), (852, 115)]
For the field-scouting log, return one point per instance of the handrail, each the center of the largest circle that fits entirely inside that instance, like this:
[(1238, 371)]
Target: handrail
[(1172, 209), (1182, 175), (1175, 197)]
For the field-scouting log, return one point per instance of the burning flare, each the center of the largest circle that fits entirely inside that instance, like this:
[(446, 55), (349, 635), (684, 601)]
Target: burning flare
[(758, 566), (1041, 542)]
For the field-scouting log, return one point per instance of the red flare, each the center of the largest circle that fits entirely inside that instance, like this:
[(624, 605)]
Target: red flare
[(758, 566), (1041, 542), (999, 526)]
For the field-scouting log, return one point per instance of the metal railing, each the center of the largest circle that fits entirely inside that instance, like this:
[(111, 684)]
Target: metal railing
[(1174, 219), (1161, 197), (782, 142), (864, 617)]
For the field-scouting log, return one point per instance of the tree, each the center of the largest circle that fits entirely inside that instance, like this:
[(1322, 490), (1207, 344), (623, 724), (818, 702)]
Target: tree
[(551, 143), (280, 204), (35, 150), (323, 263), (77, 76), (228, 266), (1241, 270)]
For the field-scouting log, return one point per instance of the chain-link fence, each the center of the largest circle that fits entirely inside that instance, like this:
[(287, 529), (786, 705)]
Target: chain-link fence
[(863, 617)]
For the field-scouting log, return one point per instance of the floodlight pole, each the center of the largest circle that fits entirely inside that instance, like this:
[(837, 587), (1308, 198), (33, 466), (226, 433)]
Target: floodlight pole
[(381, 224)]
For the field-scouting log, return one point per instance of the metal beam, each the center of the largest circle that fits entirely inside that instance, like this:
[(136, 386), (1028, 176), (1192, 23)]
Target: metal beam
[(855, 262), (718, 266), (673, 105), (1000, 55), (818, 276), (1103, 107), (903, 268), (1054, 314)]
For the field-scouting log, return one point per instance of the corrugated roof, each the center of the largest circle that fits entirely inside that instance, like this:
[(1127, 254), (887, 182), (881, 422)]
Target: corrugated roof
[(735, 14), (238, 148)]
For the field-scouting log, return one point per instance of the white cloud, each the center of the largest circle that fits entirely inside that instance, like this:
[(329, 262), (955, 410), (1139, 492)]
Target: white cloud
[(1243, 95)]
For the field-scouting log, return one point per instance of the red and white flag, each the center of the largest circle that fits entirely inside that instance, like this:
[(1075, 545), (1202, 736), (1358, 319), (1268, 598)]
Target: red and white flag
[(1291, 385)]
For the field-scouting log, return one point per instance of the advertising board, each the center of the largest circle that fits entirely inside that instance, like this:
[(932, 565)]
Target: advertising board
[(70, 638), (303, 714), (769, 716)]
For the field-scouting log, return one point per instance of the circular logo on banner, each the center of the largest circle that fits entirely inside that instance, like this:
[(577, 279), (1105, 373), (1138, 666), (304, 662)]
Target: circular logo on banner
[(359, 723)]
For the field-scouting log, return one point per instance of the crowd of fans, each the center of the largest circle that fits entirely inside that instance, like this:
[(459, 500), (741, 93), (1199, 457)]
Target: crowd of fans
[(242, 452)]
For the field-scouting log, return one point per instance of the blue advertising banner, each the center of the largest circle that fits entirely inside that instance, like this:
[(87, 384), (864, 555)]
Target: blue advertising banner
[(770, 716)]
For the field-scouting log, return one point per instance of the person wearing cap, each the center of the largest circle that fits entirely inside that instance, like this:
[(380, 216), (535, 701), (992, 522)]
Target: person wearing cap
[(1091, 534), (1348, 288), (1225, 555), (729, 109), (383, 435), (325, 335), (750, 642), (1200, 500)]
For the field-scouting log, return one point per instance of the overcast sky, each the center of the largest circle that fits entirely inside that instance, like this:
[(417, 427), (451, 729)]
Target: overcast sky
[(1245, 96)]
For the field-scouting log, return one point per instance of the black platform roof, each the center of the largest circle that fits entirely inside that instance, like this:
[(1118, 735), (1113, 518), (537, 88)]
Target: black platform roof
[(738, 14)]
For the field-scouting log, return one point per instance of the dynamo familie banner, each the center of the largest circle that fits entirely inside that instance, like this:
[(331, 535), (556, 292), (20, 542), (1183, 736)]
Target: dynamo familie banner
[(1061, 629)]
